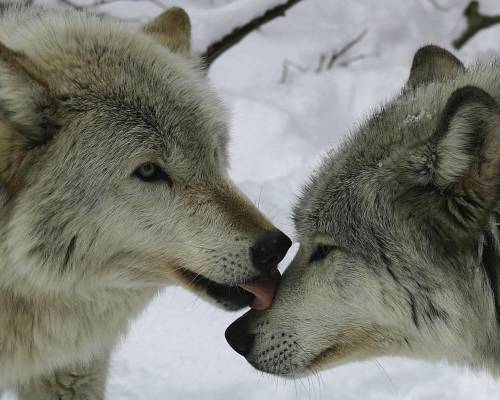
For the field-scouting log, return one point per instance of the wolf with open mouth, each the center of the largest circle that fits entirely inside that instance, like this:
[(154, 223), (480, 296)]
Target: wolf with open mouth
[(113, 184), (399, 235)]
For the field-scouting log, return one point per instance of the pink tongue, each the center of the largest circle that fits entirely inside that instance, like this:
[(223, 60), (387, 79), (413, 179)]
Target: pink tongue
[(263, 291)]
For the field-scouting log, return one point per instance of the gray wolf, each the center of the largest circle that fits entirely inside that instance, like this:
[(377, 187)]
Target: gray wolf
[(399, 236), (113, 185)]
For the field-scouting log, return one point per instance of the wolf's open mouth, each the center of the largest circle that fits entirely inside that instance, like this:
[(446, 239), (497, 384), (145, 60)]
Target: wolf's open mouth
[(255, 293)]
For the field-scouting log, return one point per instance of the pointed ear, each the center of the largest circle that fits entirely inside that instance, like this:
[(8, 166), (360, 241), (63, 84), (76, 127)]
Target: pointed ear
[(433, 63), (467, 136), (464, 162), (26, 113), (172, 28), (26, 101)]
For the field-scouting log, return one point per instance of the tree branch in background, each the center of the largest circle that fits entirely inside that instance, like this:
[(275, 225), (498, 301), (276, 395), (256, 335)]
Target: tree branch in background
[(327, 62), (358, 57), (475, 22), (337, 54), (216, 49), (97, 3)]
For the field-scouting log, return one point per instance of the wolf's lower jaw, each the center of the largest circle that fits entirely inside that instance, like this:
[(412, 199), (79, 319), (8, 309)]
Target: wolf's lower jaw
[(229, 297)]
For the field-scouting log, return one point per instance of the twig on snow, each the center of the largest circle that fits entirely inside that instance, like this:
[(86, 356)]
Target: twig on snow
[(325, 62), (349, 45)]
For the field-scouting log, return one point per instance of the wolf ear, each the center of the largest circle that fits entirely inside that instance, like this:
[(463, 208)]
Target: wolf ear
[(172, 28), (26, 111), (26, 102), (464, 160), (433, 63)]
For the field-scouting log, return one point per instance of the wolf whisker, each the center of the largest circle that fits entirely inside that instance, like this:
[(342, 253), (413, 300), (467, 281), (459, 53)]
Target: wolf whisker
[(386, 375)]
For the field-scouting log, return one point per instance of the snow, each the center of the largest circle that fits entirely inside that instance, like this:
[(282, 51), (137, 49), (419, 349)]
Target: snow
[(176, 349)]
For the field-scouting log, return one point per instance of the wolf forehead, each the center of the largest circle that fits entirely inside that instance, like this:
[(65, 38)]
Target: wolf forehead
[(98, 65)]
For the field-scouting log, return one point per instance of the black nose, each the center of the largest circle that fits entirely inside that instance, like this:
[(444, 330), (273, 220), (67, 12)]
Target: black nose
[(238, 337), (269, 250)]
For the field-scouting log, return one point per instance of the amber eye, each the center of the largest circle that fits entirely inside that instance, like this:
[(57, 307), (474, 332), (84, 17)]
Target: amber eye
[(150, 172), (321, 252)]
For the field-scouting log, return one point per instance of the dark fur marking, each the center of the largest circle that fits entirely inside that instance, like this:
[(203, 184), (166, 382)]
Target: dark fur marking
[(40, 251), (35, 250), (414, 316), (391, 273), (69, 251), (383, 256), (422, 287), (386, 302), (68, 388), (490, 263), (432, 313), (94, 238)]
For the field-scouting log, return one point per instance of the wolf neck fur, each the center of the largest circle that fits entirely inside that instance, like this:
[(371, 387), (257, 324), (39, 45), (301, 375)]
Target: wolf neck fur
[(486, 350), (39, 329)]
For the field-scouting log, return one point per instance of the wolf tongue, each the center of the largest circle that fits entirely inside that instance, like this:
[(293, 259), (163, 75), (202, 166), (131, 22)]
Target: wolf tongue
[(263, 290)]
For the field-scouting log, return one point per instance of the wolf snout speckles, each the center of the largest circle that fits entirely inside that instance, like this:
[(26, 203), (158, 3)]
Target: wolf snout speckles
[(265, 253), (264, 347)]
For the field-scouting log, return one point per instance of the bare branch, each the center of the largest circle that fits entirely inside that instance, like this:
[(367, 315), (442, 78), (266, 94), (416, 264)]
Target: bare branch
[(475, 22), (336, 55), (97, 3), (358, 57), (216, 49), (323, 65)]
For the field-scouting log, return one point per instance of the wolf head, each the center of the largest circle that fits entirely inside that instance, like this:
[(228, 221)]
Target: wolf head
[(399, 244), (113, 163)]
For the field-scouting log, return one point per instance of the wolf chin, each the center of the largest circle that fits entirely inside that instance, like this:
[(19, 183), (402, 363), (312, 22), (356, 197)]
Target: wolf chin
[(113, 184), (399, 235)]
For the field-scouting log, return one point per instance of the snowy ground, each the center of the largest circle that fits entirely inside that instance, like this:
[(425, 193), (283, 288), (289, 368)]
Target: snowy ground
[(176, 350)]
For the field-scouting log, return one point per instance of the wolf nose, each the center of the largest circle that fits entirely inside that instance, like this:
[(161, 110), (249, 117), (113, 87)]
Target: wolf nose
[(238, 338), (269, 250)]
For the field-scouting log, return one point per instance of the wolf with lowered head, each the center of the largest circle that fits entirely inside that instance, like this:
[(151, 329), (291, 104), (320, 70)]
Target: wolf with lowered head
[(399, 235)]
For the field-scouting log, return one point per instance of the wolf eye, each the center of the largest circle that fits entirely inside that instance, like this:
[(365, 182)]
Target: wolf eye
[(321, 252), (149, 172)]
